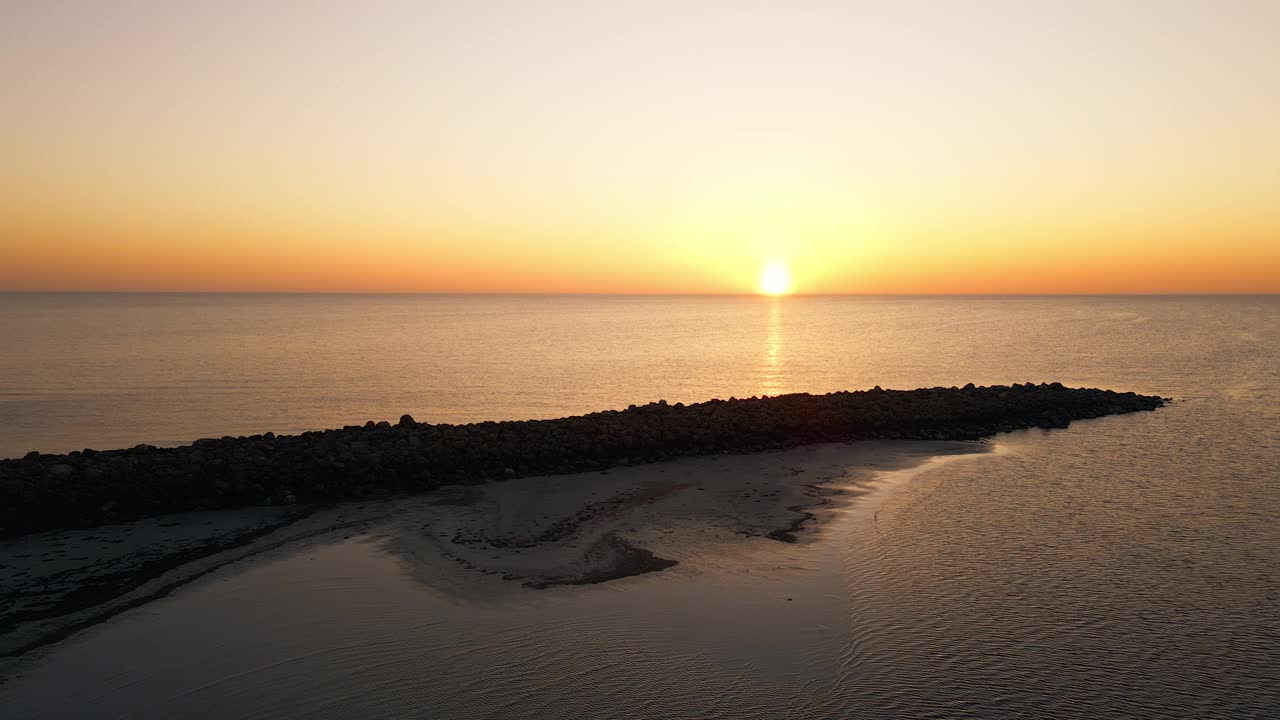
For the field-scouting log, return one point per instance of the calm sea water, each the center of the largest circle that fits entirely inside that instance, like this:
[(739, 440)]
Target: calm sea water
[(1126, 567), (106, 371)]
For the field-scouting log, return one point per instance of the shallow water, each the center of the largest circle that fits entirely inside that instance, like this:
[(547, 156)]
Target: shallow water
[(1125, 567)]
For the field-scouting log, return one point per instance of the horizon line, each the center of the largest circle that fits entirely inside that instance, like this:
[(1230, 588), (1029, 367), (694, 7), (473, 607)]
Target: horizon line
[(517, 293)]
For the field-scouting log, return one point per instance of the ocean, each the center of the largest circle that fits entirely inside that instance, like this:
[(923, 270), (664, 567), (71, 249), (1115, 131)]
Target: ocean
[(1125, 567)]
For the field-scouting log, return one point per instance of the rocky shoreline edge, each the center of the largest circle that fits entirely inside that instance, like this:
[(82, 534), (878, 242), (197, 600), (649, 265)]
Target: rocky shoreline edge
[(89, 488)]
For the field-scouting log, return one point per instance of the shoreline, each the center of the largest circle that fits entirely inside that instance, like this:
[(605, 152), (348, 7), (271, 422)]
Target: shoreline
[(536, 534), (150, 566), (89, 488)]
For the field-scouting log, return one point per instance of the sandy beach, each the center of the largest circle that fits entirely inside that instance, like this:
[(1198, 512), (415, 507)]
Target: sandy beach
[(522, 535)]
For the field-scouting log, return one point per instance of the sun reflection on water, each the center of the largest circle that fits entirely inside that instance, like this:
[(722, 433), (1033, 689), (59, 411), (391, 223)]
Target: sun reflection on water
[(773, 369)]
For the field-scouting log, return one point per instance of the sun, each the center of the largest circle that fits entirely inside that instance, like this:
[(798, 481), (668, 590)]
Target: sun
[(775, 279)]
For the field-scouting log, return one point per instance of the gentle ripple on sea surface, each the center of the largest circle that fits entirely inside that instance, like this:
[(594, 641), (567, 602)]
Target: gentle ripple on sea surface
[(1127, 567)]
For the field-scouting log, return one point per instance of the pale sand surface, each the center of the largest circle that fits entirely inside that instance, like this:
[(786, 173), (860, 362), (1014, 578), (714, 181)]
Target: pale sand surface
[(575, 529), (472, 542)]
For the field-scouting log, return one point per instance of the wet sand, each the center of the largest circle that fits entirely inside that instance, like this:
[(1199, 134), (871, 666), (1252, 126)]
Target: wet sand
[(593, 527), (477, 542)]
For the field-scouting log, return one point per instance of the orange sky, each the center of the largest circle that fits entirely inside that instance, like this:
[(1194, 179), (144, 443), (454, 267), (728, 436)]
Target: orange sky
[(977, 147)]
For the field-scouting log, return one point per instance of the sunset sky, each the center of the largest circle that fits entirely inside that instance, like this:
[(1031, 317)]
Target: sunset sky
[(682, 146)]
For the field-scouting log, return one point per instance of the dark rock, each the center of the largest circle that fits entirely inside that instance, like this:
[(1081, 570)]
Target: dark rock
[(43, 492)]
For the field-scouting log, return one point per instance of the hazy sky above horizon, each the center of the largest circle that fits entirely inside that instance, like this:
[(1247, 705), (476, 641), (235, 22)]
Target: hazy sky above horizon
[(641, 147)]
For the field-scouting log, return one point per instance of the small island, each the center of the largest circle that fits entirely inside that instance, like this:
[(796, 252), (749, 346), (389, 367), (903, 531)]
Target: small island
[(87, 488), (94, 533)]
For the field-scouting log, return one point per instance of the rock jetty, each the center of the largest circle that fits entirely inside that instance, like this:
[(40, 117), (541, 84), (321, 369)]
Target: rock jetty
[(85, 488)]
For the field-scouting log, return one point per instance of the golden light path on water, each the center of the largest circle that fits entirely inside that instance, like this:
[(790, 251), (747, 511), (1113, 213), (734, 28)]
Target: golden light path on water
[(773, 369)]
